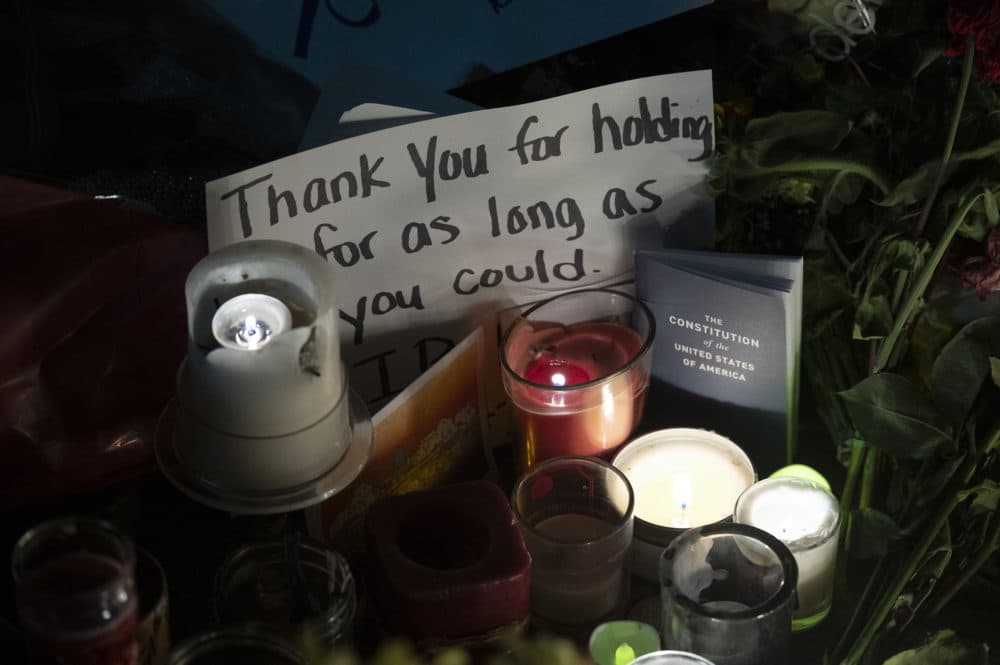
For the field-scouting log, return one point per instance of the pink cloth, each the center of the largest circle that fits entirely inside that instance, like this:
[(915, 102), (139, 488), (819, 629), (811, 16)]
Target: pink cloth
[(92, 329)]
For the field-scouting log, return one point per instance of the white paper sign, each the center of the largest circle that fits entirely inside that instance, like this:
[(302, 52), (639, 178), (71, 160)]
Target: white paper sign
[(435, 225)]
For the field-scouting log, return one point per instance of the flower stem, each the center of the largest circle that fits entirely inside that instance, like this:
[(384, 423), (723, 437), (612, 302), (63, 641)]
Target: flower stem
[(868, 479), (886, 352), (819, 164), (956, 117), (858, 450), (913, 562)]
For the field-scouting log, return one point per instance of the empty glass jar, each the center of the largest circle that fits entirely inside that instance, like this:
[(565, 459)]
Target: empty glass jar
[(728, 591)]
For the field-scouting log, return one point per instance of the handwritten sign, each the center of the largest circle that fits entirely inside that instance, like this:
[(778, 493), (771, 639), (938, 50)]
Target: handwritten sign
[(445, 43), (436, 225)]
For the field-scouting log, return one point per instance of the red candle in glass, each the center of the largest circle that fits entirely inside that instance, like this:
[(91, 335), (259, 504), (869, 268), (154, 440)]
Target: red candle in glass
[(578, 387)]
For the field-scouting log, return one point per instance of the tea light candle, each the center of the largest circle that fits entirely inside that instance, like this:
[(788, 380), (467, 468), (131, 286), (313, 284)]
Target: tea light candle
[(806, 518), (682, 478), (249, 321)]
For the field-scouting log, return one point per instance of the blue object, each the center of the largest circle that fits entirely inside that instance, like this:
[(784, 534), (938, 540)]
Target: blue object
[(445, 43)]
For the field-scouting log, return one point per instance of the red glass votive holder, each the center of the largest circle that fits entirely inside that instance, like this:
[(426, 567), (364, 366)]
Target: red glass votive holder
[(76, 595), (576, 368)]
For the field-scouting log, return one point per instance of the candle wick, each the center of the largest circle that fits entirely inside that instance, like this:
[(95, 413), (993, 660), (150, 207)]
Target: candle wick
[(537, 351)]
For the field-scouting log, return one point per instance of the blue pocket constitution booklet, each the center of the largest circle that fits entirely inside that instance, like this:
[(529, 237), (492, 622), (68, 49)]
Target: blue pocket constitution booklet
[(726, 355)]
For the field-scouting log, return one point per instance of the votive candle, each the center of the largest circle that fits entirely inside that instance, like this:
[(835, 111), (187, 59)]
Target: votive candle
[(682, 478), (806, 518)]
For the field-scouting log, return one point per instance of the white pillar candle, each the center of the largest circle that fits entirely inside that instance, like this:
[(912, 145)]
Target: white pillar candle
[(806, 518), (684, 478)]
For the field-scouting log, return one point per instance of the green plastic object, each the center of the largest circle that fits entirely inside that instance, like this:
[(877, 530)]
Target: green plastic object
[(803, 472), (621, 642)]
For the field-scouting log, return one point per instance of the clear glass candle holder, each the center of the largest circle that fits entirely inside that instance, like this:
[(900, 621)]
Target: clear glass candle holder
[(806, 517), (728, 591), (246, 645), (576, 368), (76, 594), (671, 658), (575, 514), (286, 586)]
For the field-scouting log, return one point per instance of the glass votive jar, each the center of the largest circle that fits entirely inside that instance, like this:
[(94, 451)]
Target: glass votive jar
[(575, 514), (728, 591), (153, 629), (576, 368), (805, 517), (245, 645), (621, 642), (76, 598), (286, 586), (671, 658)]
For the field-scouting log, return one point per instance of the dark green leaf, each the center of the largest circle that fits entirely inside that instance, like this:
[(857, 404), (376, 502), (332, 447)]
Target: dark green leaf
[(915, 187), (906, 253), (806, 70), (943, 648), (995, 370), (934, 328), (785, 136), (976, 224), (891, 413), (934, 477), (985, 497), (793, 190), (872, 533), (963, 365), (846, 190), (927, 58), (873, 318)]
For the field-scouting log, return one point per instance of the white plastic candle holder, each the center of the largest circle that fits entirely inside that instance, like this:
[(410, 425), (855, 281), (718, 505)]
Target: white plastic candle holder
[(263, 420), (682, 478)]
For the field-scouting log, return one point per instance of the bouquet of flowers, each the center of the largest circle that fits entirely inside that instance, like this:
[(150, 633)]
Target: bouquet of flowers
[(880, 162)]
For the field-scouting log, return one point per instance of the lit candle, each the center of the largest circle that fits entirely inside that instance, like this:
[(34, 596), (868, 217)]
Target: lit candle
[(806, 518), (249, 321), (685, 477), (262, 402), (682, 478), (576, 375)]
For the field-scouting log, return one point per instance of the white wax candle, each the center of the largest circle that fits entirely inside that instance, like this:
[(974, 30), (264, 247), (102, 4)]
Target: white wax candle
[(684, 478), (806, 518)]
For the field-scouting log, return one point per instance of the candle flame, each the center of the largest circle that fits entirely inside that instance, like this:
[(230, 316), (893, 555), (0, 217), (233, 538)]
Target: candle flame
[(624, 654), (558, 379)]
